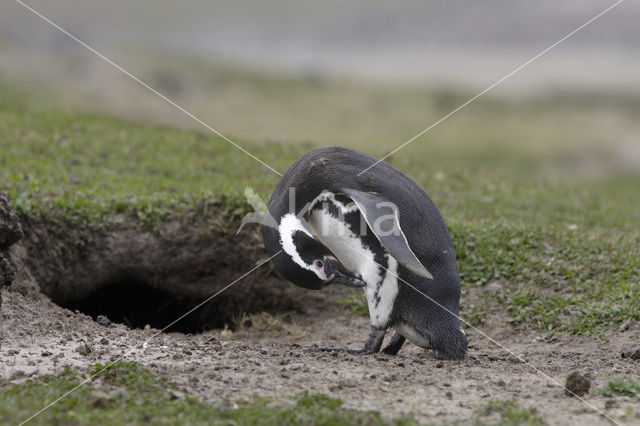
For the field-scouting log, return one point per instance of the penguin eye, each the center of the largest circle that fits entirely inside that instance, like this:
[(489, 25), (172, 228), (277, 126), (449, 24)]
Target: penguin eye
[(318, 264)]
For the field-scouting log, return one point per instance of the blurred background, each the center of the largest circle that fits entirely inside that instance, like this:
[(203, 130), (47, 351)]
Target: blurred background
[(364, 74)]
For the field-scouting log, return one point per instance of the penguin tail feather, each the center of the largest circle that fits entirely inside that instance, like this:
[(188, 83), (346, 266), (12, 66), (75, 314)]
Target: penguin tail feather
[(450, 346)]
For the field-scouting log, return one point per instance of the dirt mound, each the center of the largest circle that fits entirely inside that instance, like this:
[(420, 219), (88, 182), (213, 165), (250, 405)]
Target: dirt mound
[(10, 233), (577, 384), (141, 276), (10, 229)]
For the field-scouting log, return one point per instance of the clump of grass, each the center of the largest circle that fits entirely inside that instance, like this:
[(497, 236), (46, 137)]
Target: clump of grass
[(357, 303), (476, 313), (318, 409), (511, 413), (558, 279), (126, 393), (620, 388)]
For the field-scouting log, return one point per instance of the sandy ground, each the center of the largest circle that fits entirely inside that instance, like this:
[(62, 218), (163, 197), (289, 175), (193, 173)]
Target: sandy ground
[(284, 358)]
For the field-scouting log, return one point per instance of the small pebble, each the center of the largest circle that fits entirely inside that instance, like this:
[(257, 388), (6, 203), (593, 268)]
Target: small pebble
[(84, 350), (175, 395), (103, 320), (16, 375), (577, 384), (13, 352)]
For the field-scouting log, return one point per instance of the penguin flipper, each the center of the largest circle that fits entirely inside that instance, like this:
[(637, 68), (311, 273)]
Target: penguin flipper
[(383, 219)]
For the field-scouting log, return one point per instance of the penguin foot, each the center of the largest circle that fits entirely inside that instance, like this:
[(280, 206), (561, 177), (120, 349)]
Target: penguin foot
[(396, 342), (333, 349), (363, 351), (371, 346)]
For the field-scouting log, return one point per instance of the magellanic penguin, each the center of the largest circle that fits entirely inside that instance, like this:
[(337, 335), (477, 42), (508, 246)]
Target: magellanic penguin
[(379, 231)]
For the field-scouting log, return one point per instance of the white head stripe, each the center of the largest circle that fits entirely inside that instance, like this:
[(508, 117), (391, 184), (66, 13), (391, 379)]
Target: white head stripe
[(288, 225)]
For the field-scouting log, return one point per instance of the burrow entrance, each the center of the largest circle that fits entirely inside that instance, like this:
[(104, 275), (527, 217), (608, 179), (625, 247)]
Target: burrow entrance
[(136, 304), (137, 277)]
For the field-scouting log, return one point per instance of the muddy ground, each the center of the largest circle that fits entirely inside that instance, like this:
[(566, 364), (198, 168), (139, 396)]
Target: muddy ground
[(278, 354)]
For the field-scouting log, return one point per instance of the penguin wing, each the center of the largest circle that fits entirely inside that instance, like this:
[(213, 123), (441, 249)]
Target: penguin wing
[(383, 218)]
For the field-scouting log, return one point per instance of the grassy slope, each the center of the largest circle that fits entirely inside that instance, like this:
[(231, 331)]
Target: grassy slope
[(56, 164), (569, 246)]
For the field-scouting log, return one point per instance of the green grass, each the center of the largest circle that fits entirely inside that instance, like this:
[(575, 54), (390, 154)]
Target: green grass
[(510, 413), (620, 388), (356, 302), (531, 189), (88, 169), (558, 279), (126, 393)]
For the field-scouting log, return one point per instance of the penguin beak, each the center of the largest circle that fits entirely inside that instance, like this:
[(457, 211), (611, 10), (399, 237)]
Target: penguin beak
[(338, 274)]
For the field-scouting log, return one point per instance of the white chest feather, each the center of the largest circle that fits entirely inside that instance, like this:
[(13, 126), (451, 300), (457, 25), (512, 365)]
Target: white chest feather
[(382, 286)]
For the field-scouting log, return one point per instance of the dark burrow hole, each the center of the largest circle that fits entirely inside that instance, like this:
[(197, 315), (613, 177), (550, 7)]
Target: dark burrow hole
[(137, 304)]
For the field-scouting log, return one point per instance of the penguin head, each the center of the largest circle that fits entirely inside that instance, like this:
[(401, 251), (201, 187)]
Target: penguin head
[(308, 263)]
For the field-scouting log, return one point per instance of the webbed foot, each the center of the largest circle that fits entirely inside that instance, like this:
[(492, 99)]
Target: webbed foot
[(371, 346), (363, 351), (394, 345)]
